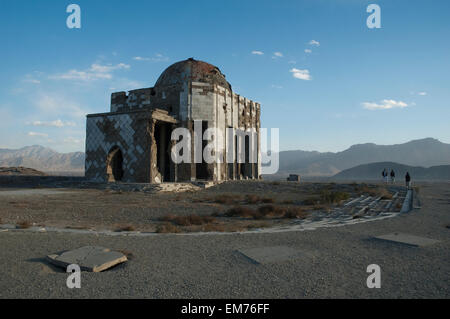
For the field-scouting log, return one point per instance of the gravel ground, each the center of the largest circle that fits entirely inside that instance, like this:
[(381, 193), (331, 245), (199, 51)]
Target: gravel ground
[(333, 262), (109, 209)]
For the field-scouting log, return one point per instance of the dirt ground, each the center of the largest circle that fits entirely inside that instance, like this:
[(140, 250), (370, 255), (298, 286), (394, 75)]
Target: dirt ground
[(332, 263), (119, 210)]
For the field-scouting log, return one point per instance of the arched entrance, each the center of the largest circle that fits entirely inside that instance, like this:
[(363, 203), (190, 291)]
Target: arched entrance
[(114, 168)]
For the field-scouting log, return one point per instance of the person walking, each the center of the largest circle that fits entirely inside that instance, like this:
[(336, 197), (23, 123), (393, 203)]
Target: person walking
[(392, 176), (385, 175), (408, 180)]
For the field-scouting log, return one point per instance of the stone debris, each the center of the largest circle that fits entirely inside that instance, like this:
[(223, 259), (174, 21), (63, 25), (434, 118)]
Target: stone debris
[(89, 258)]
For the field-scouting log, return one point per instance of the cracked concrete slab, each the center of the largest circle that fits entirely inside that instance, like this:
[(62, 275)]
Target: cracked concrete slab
[(89, 258), (265, 255), (407, 239)]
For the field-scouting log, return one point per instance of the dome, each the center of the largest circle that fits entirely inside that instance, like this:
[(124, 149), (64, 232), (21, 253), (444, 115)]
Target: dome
[(192, 70)]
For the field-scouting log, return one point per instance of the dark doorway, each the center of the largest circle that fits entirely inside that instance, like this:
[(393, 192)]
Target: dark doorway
[(162, 137), (245, 149), (202, 168), (114, 165)]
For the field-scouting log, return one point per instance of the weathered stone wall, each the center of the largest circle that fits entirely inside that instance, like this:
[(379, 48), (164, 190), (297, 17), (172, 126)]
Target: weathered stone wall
[(127, 131)]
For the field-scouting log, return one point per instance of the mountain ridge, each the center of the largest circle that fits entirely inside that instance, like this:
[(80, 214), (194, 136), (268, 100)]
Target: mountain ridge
[(425, 153)]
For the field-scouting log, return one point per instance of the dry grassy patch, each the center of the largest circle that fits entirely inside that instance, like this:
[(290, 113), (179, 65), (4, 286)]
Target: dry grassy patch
[(125, 228), (24, 224), (255, 199), (227, 199), (240, 211), (375, 191), (267, 211), (333, 197), (188, 220), (168, 228)]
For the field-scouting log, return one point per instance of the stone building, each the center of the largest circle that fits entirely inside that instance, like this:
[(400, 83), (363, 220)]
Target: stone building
[(132, 142)]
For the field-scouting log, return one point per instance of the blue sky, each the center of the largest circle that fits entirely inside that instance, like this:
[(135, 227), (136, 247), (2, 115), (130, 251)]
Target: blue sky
[(321, 75)]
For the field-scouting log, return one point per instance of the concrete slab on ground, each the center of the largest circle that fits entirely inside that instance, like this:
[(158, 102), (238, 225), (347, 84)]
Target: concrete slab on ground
[(265, 255), (407, 239), (89, 258)]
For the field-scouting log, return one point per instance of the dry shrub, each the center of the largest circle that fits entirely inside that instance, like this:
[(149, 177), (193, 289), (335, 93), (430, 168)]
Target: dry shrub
[(268, 210), (255, 199), (384, 194), (319, 207), (188, 220), (240, 211), (295, 212), (226, 199), (125, 228), (168, 228), (213, 228), (23, 224), (310, 201), (330, 197), (375, 192), (252, 199), (258, 225)]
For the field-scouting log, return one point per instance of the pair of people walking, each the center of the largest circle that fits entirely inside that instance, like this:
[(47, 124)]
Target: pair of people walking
[(386, 176)]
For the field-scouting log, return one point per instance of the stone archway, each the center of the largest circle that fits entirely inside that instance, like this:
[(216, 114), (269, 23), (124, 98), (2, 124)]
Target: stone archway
[(114, 165)]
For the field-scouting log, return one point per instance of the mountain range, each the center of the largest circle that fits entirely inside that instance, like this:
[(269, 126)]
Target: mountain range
[(418, 153), (373, 171), (424, 152), (43, 159)]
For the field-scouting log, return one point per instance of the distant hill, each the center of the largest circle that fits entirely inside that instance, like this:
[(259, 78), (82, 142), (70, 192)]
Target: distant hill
[(20, 171), (43, 159), (425, 152), (373, 171)]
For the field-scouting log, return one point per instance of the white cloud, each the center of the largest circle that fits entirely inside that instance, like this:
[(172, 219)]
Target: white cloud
[(384, 105), (278, 54), (55, 105), (257, 52), (37, 134), (95, 72), (308, 51), (72, 140), (56, 123), (422, 93), (34, 81), (314, 42), (157, 58), (301, 74)]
